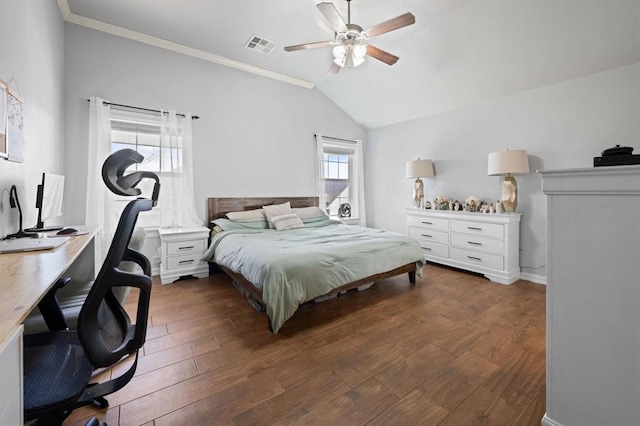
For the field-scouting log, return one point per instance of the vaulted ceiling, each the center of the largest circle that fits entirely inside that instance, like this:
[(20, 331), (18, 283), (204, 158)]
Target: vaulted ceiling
[(458, 53)]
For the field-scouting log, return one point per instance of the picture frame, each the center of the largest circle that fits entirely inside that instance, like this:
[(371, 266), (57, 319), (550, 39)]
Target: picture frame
[(15, 126), (3, 119)]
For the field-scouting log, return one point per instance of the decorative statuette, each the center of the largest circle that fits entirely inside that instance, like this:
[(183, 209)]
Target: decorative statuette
[(498, 207)]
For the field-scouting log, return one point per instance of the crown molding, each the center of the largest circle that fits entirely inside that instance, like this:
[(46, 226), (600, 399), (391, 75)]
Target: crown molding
[(94, 24)]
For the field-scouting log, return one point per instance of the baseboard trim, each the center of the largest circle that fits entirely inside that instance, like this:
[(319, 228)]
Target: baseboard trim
[(534, 278), (547, 421)]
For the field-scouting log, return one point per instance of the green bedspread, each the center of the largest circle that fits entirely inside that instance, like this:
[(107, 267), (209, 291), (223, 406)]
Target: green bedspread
[(295, 266)]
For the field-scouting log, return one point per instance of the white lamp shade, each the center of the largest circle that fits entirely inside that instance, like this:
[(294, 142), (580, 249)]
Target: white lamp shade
[(515, 162), (419, 168)]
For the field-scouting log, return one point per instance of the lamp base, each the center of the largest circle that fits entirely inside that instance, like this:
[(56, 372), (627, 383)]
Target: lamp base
[(418, 193), (509, 194)]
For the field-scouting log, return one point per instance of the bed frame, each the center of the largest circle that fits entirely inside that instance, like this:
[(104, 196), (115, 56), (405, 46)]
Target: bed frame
[(219, 207)]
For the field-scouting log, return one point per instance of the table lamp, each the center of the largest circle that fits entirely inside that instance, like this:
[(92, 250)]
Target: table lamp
[(418, 169), (508, 163)]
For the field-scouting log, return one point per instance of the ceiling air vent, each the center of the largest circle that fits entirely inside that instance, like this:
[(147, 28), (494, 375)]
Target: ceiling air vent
[(259, 44)]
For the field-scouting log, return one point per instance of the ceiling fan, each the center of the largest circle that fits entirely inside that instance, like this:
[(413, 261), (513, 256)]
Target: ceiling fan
[(351, 41)]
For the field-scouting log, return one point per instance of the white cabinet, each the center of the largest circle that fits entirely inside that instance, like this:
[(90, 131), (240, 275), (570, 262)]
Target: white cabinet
[(181, 250), (480, 242), (593, 296)]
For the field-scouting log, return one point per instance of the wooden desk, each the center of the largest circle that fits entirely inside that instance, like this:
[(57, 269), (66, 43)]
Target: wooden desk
[(24, 280)]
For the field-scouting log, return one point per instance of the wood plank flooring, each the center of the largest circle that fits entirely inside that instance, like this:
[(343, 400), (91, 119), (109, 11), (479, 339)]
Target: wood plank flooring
[(455, 349)]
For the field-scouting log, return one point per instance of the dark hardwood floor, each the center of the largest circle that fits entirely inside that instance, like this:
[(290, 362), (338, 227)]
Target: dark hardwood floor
[(455, 349)]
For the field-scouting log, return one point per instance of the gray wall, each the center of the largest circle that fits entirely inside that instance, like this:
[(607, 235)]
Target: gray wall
[(254, 137), (561, 126), (31, 52)]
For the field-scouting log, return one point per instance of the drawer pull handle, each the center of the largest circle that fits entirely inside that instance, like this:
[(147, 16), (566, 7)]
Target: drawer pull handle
[(427, 235), (186, 261), (474, 243), (427, 223), (474, 258), (426, 248), (474, 228), (186, 248)]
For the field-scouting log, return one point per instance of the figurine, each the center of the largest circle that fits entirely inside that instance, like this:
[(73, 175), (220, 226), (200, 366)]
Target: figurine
[(499, 207), (456, 206), (427, 205)]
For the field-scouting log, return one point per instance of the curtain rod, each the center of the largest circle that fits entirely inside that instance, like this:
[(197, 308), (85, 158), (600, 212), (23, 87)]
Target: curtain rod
[(337, 139), (105, 103)]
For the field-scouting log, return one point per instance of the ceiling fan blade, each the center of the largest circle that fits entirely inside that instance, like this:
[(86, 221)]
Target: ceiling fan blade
[(308, 46), (391, 24), (334, 69), (381, 55), (331, 14)]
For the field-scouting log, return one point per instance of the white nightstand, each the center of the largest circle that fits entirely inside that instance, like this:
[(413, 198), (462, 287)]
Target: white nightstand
[(181, 250)]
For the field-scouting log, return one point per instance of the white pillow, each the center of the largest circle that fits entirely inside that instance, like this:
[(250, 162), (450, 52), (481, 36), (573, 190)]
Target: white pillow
[(276, 210), (287, 221), (246, 216), (308, 212)]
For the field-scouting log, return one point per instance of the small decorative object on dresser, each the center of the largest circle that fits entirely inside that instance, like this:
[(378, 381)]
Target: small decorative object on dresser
[(181, 250), (485, 243)]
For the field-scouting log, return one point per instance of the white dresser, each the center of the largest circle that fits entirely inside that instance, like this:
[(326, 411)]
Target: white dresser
[(593, 296), (181, 250), (480, 242)]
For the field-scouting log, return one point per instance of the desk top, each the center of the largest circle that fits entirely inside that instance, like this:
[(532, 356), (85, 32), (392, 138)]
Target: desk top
[(26, 277)]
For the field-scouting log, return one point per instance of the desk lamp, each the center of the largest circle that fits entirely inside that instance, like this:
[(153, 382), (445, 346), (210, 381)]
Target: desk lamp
[(14, 202)]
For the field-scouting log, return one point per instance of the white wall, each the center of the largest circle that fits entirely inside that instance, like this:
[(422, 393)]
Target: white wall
[(561, 126), (31, 52), (254, 136)]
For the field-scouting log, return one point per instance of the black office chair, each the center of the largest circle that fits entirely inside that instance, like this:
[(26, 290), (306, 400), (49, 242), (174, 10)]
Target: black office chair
[(58, 364)]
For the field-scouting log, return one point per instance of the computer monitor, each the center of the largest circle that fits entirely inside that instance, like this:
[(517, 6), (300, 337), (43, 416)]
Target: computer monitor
[(48, 201)]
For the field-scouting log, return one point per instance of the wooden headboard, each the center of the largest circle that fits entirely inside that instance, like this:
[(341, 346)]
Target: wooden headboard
[(218, 207)]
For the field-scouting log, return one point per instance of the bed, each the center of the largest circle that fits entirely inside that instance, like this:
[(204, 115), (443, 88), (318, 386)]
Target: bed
[(279, 269)]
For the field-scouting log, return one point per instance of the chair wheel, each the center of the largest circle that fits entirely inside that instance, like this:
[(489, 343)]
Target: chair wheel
[(100, 402)]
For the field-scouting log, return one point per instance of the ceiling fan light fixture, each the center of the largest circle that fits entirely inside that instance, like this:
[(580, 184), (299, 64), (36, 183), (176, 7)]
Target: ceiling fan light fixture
[(339, 51), (359, 51)]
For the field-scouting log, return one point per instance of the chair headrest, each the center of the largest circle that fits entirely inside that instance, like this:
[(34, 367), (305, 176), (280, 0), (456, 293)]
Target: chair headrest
[(113, 174)]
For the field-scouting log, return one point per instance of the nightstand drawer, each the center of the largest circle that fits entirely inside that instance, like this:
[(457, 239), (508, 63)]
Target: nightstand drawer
[(477, 258), (478, 228), (424, 234), (186, 261), (429, 222), (434, 249), (185, 247), (475, 242)]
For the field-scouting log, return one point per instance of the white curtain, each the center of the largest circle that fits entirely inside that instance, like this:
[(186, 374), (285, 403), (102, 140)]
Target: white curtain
[(176, 203), (99, 208), (359, 186), (320, 172)]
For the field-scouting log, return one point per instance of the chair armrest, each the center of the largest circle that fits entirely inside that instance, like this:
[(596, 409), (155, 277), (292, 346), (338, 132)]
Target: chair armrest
[(50, 309)]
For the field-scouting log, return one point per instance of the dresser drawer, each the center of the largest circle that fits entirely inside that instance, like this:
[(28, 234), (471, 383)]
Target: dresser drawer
[(429, 222), (184, 261), (434, 249), (425, 234), (478, 243), (478, 228), (476, 258), (185, 247)]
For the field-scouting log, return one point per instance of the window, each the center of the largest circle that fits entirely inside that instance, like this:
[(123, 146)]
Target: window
[(340, 181), (336, 180), (142, 133)]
